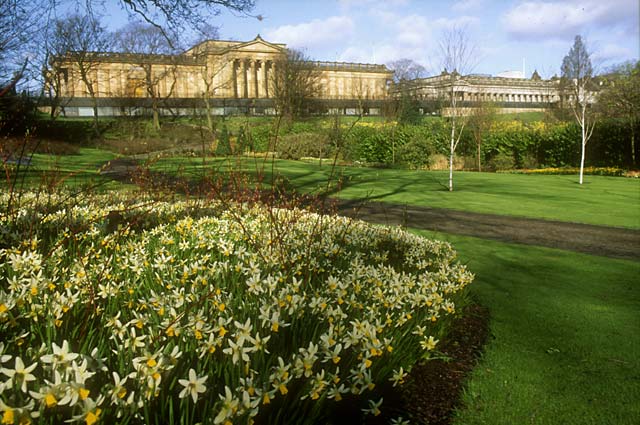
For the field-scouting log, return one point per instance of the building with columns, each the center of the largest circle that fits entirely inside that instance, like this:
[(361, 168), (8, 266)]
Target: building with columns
[(510, 94), (229, 76)]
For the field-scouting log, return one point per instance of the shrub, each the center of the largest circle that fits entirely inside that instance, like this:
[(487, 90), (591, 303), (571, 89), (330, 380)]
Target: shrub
[(529, 162), (300, 145), (153, 312), (441, 162), (502, 161), (416, 153), (594, 171)]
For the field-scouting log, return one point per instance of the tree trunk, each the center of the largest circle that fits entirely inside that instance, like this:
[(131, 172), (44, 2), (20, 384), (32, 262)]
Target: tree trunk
[(156, 115), (584, 144), (633, 144), (479, 149), (207, 105), (451, 152)]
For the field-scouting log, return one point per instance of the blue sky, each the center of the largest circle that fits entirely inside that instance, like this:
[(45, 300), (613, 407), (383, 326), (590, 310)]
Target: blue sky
[(504, 31)]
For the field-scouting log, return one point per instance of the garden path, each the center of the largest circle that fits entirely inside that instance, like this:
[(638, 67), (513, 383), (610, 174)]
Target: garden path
[(605, 241)]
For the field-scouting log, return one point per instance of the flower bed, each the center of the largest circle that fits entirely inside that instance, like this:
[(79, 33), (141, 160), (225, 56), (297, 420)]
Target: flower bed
[(152, 312), (594, 171)]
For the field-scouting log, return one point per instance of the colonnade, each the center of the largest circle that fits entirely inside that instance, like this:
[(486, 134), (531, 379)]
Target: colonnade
[(251, 78), (503, 97)]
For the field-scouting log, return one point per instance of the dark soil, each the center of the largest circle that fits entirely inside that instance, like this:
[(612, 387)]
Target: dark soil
[(432, 390)]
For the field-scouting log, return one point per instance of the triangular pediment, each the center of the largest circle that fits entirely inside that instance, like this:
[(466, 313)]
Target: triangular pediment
[(223, 46), (259, 45)]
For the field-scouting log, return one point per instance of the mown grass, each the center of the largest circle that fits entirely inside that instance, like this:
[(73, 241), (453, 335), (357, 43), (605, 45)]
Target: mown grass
[(565, 347), (81, 169), (610, 201)]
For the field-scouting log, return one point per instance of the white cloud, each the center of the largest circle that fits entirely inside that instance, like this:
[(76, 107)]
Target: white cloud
[(413, 30), (612, 53), (384, 53), (313, 34), (555, 19), (346, 4), (466, 5), (458, 22)]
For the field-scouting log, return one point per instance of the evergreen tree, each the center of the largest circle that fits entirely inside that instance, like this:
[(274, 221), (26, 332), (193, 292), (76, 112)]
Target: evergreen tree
[(224, 142)]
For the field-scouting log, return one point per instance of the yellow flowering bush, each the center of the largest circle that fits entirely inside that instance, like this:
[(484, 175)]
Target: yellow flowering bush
[(596, 171), (141, 311)]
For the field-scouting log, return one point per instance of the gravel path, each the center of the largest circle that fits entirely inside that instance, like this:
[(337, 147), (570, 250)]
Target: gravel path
[(597, 240)]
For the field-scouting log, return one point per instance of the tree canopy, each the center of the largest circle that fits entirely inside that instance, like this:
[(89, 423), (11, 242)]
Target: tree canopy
[(576, 65)]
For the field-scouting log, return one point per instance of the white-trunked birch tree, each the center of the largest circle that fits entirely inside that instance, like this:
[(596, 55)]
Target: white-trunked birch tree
[(577, 82), (458, 54)]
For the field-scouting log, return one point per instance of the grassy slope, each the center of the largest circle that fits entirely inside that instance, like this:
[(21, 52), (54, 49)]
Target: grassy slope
[(71, 170), (565, 347), (611, 201)]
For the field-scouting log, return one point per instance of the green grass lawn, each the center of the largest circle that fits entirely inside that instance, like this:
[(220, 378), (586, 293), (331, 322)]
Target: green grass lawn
[(610, 201), (565, 345), (67, 170)]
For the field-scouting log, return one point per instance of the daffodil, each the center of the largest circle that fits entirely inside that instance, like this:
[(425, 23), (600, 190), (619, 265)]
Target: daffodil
[(60, 356), (20, 375), (229, 406), (192, 386), (428, 343), (398, 377), (374, 407)]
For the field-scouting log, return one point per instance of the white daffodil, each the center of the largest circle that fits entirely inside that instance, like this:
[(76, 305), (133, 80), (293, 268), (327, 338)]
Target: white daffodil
[(258, 343), (192, 386), (374, 407), (61, 355), (237, 351), (3, 357), (20, 374), (229, 406), (398, 377), (428, 343)]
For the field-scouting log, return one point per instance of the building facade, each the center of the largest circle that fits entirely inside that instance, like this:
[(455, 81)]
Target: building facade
[(510, 94), (229, 76)]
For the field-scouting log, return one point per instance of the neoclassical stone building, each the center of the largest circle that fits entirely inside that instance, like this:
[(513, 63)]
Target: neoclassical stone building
[(238, 77), (508, 93), (230, 75)]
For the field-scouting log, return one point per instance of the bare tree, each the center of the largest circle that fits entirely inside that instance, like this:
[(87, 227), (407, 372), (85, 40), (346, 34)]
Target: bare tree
[(406, 70), (406, 107), (458, 55), (295, 82), (172, 16), (145, 44), (621, 98), (213, 72), (85, 39), (577, 83), (19, 23)]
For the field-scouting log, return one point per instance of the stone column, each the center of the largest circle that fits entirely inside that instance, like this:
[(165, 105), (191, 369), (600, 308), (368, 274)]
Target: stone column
[(243, 72), (265, 78), (256, 86), (274, 75), (234, 77), (250, 75)]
